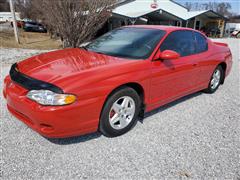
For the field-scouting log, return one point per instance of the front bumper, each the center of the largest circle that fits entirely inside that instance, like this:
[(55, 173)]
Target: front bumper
[(79, 118)]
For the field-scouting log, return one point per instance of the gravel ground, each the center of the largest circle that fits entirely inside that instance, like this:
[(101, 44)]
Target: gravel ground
[(195, 137), (9, 56)]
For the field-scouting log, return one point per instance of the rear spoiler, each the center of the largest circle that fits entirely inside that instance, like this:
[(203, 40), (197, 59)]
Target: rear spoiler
[(221, 44)]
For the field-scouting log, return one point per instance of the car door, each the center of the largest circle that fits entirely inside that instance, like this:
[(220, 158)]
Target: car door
[(177, 77), (203, 58)]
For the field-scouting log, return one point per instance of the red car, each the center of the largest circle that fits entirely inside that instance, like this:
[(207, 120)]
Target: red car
[(20, 24), (106, 85)]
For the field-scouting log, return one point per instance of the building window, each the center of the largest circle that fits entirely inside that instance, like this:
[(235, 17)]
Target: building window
[(197, 27), (177, 23)]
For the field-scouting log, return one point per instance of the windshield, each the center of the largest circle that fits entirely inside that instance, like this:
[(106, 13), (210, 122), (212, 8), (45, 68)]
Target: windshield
[(133, 43)]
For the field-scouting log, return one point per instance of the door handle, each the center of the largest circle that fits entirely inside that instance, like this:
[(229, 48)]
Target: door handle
[(195, 64)]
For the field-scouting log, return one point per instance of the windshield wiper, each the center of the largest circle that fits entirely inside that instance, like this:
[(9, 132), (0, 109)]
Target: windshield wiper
[(83, 47), (99, 52)]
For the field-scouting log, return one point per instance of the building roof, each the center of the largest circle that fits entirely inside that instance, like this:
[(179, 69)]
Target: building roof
[(208, 13), (138, 8), (191, 14)]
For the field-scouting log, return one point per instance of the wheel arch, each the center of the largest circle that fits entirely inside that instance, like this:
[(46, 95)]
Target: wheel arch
[(137, 87), (224, 67)]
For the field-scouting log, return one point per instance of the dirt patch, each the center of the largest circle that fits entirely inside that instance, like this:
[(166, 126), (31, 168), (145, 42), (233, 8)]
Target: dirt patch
[(28, 40)]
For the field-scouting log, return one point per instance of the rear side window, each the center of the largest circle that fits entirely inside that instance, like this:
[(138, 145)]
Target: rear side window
[(180, 41), (201, 42)]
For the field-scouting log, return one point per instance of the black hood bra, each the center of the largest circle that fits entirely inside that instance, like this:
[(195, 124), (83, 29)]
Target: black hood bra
[(30, 83)]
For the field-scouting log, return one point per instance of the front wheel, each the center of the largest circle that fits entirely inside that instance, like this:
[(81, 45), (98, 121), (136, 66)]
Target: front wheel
[(120, 112), (216, 80)]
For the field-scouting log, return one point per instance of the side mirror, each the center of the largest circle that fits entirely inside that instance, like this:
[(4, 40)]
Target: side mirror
[(169, 55)]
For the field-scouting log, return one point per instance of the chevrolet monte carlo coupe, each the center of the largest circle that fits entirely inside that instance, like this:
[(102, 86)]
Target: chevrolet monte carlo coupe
[(107, 84)]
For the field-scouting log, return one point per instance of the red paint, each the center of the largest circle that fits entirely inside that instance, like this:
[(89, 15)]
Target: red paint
[(154, 5), (92, 77), (169, 55)]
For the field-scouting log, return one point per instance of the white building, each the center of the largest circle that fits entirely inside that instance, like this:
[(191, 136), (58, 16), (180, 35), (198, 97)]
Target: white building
[(233, 26), (7, 16), (163, 12)]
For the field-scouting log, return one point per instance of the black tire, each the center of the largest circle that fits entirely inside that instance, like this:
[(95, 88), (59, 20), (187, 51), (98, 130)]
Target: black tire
[(104, 126), (212, 89)]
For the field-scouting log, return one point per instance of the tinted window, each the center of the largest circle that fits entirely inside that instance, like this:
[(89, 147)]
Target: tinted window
[(201, 43), (134, 43), (32, 23), (180, 41)]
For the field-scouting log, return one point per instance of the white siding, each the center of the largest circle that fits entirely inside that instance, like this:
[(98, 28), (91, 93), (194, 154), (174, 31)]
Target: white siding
[(7, 16)]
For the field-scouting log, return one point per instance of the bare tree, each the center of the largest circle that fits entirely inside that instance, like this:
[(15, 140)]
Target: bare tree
[(4, 6), (189, 5), (28, 9), (75, 21), (223, 8)]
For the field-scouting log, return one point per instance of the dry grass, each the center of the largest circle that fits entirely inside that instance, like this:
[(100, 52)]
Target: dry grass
[(28, 40)]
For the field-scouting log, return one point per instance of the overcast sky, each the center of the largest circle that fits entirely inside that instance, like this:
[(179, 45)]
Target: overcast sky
[(235, 3)]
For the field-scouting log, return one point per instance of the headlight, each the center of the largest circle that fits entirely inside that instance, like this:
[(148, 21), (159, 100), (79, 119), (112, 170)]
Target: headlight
[(46, 97)]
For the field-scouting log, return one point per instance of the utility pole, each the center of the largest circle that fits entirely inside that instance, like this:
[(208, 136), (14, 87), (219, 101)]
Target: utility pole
[(14, 21)]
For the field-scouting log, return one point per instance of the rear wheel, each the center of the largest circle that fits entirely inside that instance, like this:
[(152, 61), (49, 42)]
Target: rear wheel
[(120, 112), (216, 80)]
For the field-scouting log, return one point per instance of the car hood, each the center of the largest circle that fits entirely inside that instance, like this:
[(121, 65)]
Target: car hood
[(57, 65)]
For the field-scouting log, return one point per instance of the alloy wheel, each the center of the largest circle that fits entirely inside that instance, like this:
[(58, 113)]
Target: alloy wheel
[(122, 112), (216, 78)]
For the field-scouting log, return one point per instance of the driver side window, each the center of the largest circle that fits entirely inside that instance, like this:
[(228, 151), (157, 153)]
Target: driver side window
[(181, 41)]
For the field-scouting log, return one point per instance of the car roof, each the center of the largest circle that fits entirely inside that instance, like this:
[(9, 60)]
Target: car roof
[(161, 27), (168, 29)]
